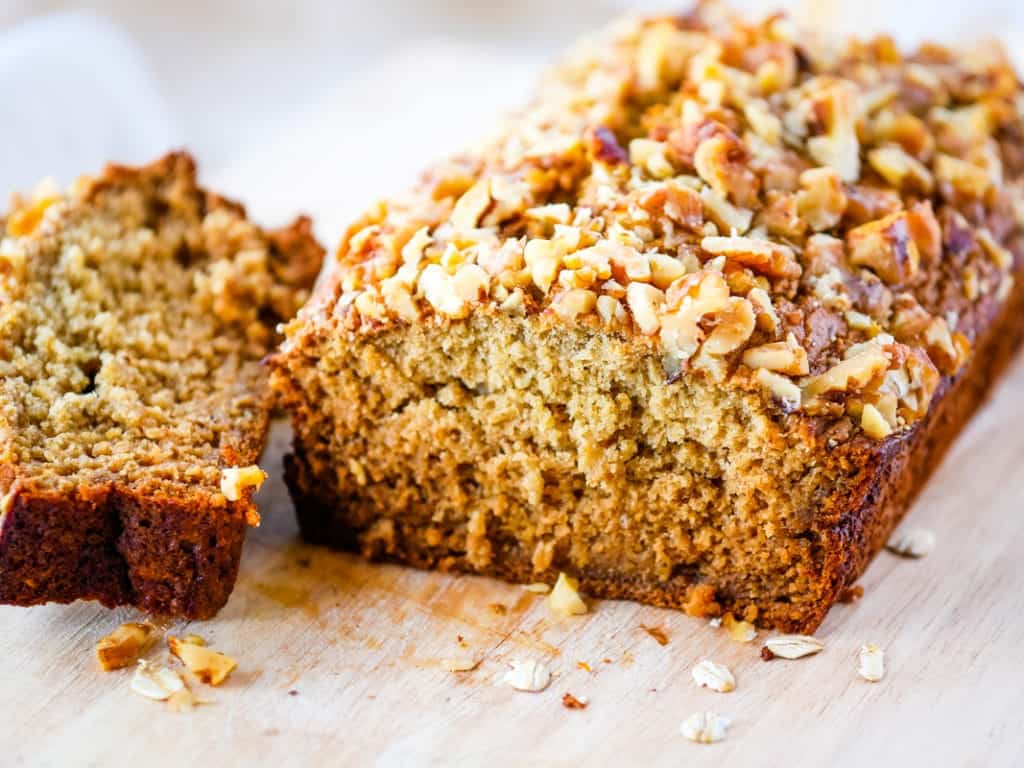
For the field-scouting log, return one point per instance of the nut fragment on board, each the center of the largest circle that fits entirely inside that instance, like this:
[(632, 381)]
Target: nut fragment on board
[(234, 480), (740, 631), (565, 599), (871, 662), (911, 542), (156, 682), (538, 588), (792, 646), (208, 665), (705, 727), (717, 677), (123, 647), (528, 675), (574, 702)]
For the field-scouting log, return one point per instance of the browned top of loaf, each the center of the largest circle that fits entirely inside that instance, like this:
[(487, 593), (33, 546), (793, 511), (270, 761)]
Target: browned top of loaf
[(134, 313), (830, 226)]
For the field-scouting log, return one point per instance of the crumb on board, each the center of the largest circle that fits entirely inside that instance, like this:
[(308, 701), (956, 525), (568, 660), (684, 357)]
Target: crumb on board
[(574, 702)]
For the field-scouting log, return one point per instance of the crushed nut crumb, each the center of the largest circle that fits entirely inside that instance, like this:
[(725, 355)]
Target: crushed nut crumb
[(235, 480), (565, 599), (911, 542), (871, 662), (717, 677), (792, 646), (528, 675), (123, 647), (705, 727), (209, 666)]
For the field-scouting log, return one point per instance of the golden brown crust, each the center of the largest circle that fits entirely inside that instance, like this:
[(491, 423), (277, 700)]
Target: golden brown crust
[(158, 300)]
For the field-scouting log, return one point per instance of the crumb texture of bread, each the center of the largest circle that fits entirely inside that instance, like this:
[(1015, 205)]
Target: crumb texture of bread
[(694, 327), (135, 310)]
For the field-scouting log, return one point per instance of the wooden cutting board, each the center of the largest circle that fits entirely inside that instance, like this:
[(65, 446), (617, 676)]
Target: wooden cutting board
[(343, 663)]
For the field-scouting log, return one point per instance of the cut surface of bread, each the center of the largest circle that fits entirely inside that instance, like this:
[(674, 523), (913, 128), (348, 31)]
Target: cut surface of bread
[(135, 311), (694, 328)]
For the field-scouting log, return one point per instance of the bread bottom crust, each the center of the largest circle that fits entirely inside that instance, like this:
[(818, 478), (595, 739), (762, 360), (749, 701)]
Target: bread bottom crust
[(158, 553), (889, 475)]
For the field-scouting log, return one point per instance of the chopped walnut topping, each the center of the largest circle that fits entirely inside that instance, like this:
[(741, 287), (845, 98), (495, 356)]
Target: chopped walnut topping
[(780, 356), (901, 170), (235, 480), (851, 374), (672, 150), (764, 256), (886, 247), (821, 201), (123, 647)]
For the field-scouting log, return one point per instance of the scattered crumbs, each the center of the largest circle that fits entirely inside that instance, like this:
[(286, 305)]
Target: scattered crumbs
[(573, 702), (766, 653), (657, 633), (606, 660), (461, 641), (538, 588), (851, 594), (584, 666), (293, 692), (499, 609)]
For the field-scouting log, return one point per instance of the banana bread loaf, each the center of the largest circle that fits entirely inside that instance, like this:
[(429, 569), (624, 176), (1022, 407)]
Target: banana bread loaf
[(134, 314), (695, 327)]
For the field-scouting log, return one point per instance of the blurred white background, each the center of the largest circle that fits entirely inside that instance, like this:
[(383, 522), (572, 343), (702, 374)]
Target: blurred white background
[(323, 105)]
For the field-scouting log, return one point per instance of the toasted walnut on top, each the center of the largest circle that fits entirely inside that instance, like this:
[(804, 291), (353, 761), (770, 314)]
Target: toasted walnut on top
[(759, 208)]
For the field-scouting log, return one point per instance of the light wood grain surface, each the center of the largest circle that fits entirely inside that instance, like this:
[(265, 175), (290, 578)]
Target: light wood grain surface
[(342, 663)]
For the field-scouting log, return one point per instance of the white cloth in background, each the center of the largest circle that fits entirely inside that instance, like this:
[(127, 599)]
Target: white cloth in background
[(76, 93)]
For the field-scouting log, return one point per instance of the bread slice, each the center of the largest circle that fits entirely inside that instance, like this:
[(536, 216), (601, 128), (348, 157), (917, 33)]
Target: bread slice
[(695, 328), (134, 314)]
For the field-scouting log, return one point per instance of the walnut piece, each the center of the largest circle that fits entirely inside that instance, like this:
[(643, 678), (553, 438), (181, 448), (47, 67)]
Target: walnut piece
[(717, 677), (207, 665), (123, 647), (565, 599), (235, 480), (528, 675)]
